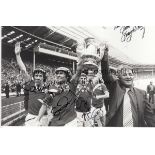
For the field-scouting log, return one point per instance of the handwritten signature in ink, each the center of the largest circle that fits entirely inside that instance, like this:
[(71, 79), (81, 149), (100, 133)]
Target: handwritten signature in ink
[(127, 32), (64, 103)]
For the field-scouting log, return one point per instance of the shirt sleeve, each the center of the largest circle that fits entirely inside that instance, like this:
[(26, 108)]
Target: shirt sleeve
[(27, 86), (73, 85), (104, 88), (105, 68)]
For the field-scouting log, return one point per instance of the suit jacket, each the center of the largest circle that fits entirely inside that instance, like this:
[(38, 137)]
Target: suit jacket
[(149, 89), (144, 114)]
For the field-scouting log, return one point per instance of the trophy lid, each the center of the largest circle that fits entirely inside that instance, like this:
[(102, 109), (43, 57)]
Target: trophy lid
[(90, 65)]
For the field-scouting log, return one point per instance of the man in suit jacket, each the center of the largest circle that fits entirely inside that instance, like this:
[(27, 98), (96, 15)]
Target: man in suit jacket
[(141, 112), (151, 92)]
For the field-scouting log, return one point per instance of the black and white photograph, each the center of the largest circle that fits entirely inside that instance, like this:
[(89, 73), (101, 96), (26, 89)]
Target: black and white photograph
[(77, 76)]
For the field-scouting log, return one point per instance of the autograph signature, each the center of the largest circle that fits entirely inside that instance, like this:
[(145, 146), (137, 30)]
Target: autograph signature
[(68, 100), (127, 32)]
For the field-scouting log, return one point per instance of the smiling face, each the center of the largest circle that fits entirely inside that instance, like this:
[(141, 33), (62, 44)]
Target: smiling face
[(38, 78), (126, 77), (61, 77)]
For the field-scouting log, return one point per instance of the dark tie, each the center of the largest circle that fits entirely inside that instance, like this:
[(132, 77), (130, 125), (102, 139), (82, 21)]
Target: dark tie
[(127, 112)]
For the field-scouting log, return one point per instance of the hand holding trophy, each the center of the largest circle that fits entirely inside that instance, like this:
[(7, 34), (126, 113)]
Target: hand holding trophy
[(90, 52)]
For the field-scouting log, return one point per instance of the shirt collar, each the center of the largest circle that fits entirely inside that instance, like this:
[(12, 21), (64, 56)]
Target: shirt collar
[(40, 87), (63, 86)]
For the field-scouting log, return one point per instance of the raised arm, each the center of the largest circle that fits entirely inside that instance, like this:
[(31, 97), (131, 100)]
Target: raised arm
[(106, 75), (76, 76), (20, 62)]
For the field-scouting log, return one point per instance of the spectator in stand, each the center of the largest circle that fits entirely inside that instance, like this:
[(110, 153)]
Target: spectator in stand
[(34, 89), (151, 92), (7, 89)]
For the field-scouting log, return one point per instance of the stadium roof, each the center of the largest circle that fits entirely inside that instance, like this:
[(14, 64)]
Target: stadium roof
[(32, 35)]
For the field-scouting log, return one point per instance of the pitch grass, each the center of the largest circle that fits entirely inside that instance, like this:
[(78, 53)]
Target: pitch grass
[(11, 100)]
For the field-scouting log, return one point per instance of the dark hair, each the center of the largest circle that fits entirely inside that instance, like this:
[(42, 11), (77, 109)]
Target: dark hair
[(40, 71), (122, 68)]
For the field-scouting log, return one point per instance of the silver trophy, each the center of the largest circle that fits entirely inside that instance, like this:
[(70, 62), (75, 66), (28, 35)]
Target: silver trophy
[(90, 52)]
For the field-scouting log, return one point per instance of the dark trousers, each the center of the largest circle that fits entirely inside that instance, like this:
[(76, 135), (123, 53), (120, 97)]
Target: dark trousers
[(151, 98), (7, 95)]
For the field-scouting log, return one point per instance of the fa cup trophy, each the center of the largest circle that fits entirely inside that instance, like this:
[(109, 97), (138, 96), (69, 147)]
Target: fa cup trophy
[(90, 52)]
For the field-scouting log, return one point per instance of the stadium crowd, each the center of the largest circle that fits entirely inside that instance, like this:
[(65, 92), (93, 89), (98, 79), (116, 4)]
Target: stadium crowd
[(10, 73)]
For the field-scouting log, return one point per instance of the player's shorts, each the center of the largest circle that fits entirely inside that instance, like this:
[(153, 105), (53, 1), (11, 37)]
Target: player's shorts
[(30, 120), (83, 119), (73, 123)]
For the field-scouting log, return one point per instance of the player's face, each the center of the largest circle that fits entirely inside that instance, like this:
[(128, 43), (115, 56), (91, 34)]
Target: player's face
[(126, 78), (61, 76), (38, 78)]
